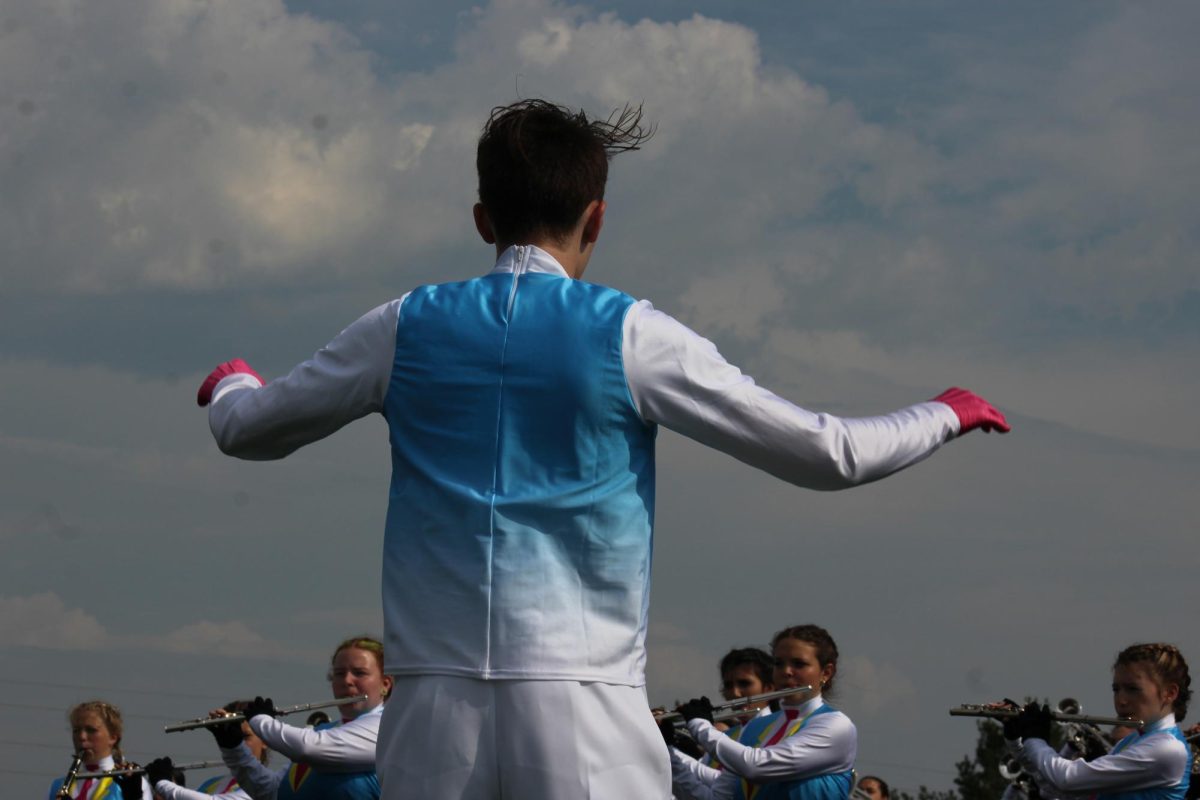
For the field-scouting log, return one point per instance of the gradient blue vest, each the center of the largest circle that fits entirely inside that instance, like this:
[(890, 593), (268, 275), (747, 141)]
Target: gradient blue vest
[(522, 499), (833, 786), (1177, 792), (301, 782), (107, 789)]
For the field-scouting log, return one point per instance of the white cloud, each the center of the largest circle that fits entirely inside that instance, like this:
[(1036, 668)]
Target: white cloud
[(201, 141), (43, 620), (222, 141), (353, 620), (738, 301), (234, 639), (870, 687)]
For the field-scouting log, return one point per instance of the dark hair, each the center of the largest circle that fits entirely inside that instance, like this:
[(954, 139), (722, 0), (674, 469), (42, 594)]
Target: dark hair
[(819, 638), (540, 164), (750, 656), (1166, 665), (884, 789)]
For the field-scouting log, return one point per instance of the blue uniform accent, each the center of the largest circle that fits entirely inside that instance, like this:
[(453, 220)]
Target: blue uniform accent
[(520, 517), (302, 782), (1177, 792), (832, 786), (218, 785), (319, 785), (108, 789)]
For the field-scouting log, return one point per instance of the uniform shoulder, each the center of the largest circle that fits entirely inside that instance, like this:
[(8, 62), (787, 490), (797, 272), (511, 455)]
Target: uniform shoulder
[(834, 720)]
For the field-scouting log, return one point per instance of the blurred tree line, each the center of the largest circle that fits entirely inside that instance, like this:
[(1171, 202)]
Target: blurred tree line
[(978, 776)]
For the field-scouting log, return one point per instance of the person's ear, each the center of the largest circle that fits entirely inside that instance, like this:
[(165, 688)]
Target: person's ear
[(483, 223), (593, 221)]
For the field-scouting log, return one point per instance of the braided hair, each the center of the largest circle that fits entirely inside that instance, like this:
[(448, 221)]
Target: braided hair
[(1166, 666), (110, 715)]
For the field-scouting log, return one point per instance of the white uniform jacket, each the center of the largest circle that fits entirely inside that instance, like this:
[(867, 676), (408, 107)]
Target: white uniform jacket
[(349, 747), (1156, 760), (828, 743)]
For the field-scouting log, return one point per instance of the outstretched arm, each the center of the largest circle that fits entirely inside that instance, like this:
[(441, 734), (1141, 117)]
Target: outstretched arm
[(690, 778), (345, 380), (1155, 761), (828, 743), (679, 380), (170, 791), (346, 748), (253, 778)]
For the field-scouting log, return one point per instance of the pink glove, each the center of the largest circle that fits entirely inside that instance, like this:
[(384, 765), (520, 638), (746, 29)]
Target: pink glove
[(973, 411), (235, 367)]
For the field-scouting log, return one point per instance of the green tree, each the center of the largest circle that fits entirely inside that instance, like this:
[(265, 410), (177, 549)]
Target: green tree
[(979, 775)]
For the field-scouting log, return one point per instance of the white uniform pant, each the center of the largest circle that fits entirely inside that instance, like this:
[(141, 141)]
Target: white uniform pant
[(452, 738)]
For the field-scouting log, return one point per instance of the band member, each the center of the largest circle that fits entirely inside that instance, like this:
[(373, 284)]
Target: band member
[(1150, 683), (745, 672), (871, 788), (161, 772), (329, 762), (96, 730), (522, 409), (804, 751)]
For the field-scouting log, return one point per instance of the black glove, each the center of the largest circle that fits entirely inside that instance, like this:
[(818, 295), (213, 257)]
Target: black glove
[(1035, 722), (160, 769), (130, 786), (1032, 723), (227, 734), (1012, 730), (699, 708), (260, 705)]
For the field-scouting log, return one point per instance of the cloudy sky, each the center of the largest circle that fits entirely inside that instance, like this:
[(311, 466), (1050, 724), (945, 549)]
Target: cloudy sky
[(861, 203)]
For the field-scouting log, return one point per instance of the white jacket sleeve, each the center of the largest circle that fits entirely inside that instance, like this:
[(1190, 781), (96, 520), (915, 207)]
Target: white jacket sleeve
[(691, 779), (679, 380), (254, 778), (827, 743), (172, 791), (345, 380), (1155, 761), (346, 748)]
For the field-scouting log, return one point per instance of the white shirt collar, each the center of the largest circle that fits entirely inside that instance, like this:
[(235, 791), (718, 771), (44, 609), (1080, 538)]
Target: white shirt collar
[(374, 712), (1161, 724), (521, 258), (805, 708)]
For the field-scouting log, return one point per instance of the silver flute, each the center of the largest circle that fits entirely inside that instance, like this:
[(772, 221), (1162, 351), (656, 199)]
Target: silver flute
[(730, 709), (142, 770), (208, 722), (1002, 712)]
